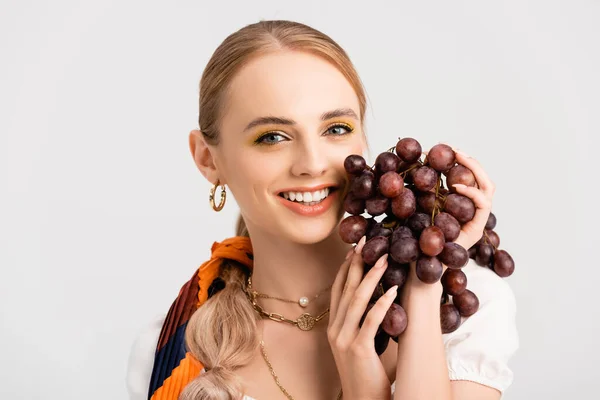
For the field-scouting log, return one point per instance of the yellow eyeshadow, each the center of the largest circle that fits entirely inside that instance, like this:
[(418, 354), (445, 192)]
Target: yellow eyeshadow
[(261, 133), (349, 124), (275, 129)]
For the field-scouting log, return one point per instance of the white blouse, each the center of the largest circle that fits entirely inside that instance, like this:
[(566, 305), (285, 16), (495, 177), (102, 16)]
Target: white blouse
[(478, 351)]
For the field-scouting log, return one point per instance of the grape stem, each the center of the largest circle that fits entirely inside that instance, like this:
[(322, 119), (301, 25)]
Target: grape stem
[(435, 203), (487, 240)]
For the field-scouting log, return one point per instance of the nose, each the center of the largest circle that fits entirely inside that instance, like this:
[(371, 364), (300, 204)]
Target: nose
[(310, 159)]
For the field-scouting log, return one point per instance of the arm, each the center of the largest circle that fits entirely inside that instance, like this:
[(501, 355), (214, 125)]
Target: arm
[(422, 371)]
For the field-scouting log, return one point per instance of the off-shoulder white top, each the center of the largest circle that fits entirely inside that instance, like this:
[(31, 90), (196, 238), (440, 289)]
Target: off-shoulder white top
[(478, 351)]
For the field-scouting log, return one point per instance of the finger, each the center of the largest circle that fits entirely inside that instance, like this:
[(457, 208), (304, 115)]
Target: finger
[(363, 294), (483, 207), (375, 317), (481, 176), (479, 198), (355, 274), (340, 279)]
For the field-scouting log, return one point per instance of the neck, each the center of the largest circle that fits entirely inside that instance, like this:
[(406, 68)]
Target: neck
[(293, 270)]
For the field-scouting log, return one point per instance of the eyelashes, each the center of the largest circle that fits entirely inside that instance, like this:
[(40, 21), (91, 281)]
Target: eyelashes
[(261, 140)]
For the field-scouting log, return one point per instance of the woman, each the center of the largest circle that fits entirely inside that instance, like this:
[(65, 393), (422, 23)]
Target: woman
[(281, 107)]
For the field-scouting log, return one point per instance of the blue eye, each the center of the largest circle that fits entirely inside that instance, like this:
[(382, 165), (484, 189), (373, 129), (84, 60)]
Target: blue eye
[(262, 139), (344, 126)]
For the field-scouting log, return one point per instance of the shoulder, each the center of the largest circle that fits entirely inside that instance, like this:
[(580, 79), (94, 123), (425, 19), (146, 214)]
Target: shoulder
[(141, 359), (480, 349)]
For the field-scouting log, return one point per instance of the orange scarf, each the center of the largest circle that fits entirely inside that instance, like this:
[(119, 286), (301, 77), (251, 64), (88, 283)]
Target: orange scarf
[(174, 366)]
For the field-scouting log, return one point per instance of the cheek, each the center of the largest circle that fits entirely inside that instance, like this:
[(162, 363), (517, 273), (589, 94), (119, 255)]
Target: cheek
[(252, 175)]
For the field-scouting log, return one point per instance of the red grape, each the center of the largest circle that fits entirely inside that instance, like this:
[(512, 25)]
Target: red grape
[(378, 230), (460, 207), (429, 269), (377, 205), (354, 164), (449, 318), (432, 241), (417, 222), (404, 205), (395, 320), (363, 186), (386, 162), (454, 255), (395, 274), (401, 232), (491, 222), (425, 178), (405, 250), (353, 228), (408, 149), (503, 263), (454, 281), (484, 254), (460, 174), (441, 157), (353, 205), (374, 249), (467, 303), (391, 184), (493, 238), (427, 201), (448, 224)]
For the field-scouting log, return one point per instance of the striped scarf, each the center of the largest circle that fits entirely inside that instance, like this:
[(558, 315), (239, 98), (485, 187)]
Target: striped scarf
[(174, 366)]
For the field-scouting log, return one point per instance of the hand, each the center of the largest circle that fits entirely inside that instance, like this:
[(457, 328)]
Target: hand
[(472, 231), (361, 371)]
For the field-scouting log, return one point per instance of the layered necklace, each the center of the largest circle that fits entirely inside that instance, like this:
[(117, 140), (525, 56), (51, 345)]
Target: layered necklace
[(305, 322)]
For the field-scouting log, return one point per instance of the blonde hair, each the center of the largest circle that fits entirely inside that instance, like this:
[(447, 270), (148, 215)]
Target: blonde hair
[(221, 334)]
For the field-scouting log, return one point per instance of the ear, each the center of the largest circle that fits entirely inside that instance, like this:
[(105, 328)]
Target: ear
[(203, 157)]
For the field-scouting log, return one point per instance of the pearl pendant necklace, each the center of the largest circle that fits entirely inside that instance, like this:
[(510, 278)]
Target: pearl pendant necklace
[(302, 302)]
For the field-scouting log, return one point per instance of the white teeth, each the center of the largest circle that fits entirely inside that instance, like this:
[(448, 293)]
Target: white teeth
[(310, 198)]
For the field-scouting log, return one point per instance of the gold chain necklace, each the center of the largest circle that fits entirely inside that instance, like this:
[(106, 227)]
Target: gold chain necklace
[(303, 301), (305, 322), (285, 392)]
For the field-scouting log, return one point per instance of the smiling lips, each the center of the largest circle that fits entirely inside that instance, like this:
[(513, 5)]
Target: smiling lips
[(319, 201)]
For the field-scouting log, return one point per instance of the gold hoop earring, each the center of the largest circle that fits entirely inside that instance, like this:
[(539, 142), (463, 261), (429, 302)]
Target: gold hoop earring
[(211, 197)]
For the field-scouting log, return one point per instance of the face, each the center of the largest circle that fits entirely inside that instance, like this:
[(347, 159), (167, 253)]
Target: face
[(304, 150)]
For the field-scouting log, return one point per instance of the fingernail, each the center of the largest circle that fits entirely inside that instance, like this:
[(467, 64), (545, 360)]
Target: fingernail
[(392, 291), (361, 242), (459, 185), (382, 261)]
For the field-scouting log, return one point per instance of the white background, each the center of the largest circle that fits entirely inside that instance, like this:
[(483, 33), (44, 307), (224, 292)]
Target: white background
[(104, 216)]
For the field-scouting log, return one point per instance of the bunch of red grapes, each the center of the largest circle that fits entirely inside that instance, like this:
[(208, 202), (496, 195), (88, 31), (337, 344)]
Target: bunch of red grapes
[(419, 217)]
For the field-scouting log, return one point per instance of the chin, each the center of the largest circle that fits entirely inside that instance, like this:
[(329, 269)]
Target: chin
[(311, 232)]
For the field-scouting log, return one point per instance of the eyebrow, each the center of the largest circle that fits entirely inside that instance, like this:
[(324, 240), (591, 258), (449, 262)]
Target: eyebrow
[(340, 112)]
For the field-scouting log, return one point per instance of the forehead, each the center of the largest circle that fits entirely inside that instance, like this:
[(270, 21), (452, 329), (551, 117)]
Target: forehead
[(290, 84)]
